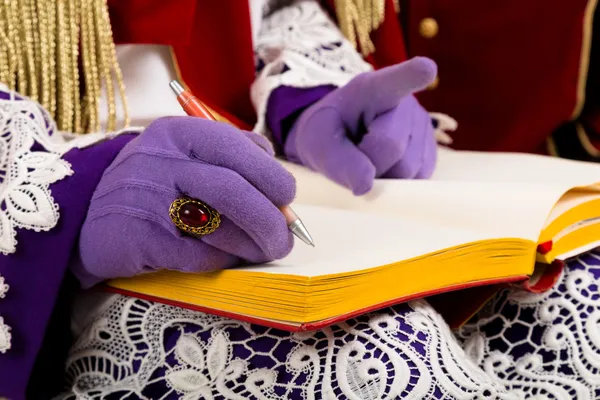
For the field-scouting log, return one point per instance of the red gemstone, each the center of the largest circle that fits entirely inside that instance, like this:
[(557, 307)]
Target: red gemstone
[(192, 215)]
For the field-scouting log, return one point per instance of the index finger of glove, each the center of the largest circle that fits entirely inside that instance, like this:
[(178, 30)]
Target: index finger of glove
[(374, 93), (224, 145)]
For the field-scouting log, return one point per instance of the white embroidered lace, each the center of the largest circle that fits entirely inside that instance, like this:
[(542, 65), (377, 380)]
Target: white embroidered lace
[(25, 176), (5, 337), (3, 288), (25, 173), (543, 346), (522, 346), (300, 46), (134, 346), (445, 124), (30, 161)]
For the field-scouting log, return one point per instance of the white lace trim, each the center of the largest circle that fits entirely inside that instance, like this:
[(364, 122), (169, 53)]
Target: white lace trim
[(5, 337), (544, 345), (301, 47), (445, 124), (523, 346), (3, 287), (409, 352), (26, 174)]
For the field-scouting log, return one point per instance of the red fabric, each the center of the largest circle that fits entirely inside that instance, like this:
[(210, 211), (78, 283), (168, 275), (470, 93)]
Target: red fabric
[(459, 307), (389, 40), (508, 69), (218, 62), (211, 40), (550, 276), (152, 21)]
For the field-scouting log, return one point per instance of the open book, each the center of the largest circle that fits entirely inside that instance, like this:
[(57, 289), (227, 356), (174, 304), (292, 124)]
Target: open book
[(484, 218)]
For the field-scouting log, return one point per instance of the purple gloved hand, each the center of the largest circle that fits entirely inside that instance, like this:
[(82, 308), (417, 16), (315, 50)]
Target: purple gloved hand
[(372, 127), (128, 229)]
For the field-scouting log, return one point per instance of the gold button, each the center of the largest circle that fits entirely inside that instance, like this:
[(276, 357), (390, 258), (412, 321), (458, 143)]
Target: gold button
[(428, 28), (434, 84)]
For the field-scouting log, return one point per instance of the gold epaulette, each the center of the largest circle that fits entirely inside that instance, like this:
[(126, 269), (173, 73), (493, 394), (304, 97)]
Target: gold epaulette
[(359, 18), (61, 53)]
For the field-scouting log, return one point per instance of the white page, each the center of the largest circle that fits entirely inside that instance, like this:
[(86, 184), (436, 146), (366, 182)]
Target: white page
[(510, 203), (578, 251), (349, 241), (513, 167)]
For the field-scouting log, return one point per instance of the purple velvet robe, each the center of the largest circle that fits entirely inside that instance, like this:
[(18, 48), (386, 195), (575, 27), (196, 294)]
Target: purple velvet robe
[(36, 270)]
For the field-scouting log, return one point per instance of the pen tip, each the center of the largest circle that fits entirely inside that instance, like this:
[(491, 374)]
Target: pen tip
[(176, 86), (300, 231)]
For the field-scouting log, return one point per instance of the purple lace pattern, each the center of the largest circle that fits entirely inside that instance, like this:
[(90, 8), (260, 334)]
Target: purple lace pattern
[(522, 345)]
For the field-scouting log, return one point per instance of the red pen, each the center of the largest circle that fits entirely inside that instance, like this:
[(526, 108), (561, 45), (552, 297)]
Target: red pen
[(194, 107)]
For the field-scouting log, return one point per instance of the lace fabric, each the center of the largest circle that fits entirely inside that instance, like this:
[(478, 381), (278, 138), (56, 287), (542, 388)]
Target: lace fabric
[(138, 349), (522, 346), (25, 173), (31, 151), (30, 161), (5, 335), (543, 345), (299, 46)]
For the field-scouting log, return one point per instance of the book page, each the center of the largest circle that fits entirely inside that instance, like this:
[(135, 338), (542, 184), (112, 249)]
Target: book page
[(347, 241), (456, 165), (499, 195)]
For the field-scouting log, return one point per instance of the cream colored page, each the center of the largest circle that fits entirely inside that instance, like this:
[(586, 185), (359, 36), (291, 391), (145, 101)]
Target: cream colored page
[(349, 241), (579, 250), (461, 196), (512, 167)]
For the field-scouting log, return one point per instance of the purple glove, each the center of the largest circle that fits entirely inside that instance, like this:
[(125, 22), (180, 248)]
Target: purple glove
[(128, 229), (372, 127)]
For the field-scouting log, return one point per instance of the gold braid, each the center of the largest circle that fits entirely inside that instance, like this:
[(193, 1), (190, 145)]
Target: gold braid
[(47, 46), (359, 18)]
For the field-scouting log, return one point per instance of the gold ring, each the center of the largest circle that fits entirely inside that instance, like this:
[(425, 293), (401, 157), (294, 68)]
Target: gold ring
[(194, 217)]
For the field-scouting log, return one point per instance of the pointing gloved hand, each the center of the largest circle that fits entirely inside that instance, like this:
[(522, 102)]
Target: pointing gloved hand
[(373, 127), (128, 228)]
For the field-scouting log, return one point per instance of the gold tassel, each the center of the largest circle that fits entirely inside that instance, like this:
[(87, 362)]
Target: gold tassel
[(358, 19), (47, 46)]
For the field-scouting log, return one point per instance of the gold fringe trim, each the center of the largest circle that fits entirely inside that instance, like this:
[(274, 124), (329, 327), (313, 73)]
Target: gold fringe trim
[(358, 18), (61, 54)]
